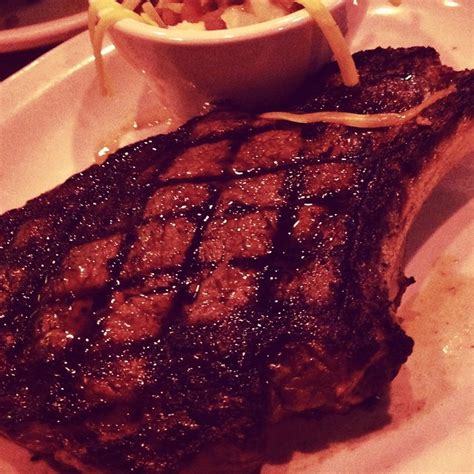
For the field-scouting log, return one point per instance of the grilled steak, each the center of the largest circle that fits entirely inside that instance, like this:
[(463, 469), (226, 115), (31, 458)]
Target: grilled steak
[(163, 308)]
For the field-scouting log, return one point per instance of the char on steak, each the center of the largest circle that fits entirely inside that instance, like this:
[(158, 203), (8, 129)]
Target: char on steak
[(162, 309)]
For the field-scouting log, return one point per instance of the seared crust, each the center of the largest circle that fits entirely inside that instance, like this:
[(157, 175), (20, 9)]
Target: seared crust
[(198, 285)]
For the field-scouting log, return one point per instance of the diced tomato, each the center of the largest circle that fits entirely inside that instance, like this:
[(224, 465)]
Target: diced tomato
[(210, 11), (192, 11), (170, 17), (213, 21)]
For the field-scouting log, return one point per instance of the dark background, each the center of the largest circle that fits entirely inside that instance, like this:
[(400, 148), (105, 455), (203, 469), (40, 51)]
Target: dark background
[(12, 62)]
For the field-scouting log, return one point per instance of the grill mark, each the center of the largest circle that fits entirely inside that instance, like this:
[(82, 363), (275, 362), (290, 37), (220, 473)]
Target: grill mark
[(102, 296), (281, 240), (102, 300), (230, 177), (239, 134), (130, 238), (127, 283), (191, 264), (117, 264), (193, 214), (22, 303)]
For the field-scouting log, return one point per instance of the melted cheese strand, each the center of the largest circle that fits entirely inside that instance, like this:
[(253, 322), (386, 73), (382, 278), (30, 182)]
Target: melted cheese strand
[(362, 120), (102, 15), (333, 35)]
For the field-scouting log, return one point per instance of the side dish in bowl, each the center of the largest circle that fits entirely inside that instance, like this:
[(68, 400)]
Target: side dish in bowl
[(211, 14), (255, 64)]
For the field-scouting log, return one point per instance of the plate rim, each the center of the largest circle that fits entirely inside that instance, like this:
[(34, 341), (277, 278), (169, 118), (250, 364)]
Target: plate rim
[(42, 34)]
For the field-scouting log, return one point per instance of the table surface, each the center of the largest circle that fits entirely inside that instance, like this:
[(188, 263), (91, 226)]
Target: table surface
[(12, 62)]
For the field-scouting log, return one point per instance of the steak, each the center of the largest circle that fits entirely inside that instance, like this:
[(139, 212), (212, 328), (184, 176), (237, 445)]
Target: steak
[(159, 311)]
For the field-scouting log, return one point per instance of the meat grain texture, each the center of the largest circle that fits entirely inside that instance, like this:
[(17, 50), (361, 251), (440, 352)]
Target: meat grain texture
[(158, 312)]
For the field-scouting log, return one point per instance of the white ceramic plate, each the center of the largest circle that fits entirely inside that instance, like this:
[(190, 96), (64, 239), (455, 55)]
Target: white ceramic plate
[(53, 123), (45, 22)]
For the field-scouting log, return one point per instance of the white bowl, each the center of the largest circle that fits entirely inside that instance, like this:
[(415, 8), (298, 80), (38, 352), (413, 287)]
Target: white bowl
[(253, 65)]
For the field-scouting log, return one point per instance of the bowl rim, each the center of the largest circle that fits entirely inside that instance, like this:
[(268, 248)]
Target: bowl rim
[(131, 27)]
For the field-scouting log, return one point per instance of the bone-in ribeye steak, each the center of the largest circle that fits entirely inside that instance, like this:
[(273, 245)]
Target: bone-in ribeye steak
[(158, 311)]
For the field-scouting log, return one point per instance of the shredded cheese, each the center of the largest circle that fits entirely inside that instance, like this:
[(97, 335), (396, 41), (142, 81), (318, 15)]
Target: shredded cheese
[(130, 4), (323, 18), (149, 10), (362, 120)]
